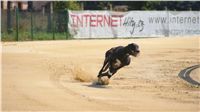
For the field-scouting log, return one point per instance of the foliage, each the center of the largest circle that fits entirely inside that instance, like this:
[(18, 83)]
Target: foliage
[(152, 5), (145, 5), (97, 5), (71, 5), (171, 5)]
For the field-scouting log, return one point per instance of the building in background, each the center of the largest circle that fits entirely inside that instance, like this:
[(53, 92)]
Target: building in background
[(25, 5)]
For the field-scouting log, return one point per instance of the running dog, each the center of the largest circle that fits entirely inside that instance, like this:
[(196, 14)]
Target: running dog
[(116, 58)]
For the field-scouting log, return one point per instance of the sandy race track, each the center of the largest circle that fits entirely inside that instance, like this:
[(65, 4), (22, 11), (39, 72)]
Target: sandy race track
[(58, 76)]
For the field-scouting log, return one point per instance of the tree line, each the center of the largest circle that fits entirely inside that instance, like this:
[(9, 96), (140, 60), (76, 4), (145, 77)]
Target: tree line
[(132, 5)]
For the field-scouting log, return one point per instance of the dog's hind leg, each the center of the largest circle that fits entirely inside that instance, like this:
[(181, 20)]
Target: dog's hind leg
[(104, 68), (106, 64)]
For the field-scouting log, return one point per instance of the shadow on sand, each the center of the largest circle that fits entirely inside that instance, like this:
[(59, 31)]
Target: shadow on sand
[(95, 85)]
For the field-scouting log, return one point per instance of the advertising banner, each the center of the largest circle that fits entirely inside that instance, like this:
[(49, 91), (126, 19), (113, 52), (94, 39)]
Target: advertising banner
[(110, 24)]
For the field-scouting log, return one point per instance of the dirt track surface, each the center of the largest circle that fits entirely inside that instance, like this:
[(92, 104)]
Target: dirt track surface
[(195, 74), (58, 76)]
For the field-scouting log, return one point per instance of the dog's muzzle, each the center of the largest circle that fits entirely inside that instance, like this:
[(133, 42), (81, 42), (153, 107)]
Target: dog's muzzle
[(135, 53)]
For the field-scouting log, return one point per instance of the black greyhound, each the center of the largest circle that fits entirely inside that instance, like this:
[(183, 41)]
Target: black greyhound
[(116, 58)]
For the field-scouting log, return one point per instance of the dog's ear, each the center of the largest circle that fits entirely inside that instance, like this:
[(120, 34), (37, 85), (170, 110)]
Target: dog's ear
[(132, 46)]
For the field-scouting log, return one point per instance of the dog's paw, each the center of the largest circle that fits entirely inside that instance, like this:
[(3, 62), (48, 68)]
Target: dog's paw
[(102, 81)]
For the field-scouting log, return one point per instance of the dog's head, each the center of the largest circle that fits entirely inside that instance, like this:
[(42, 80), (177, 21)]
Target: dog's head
[(133, 49)]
